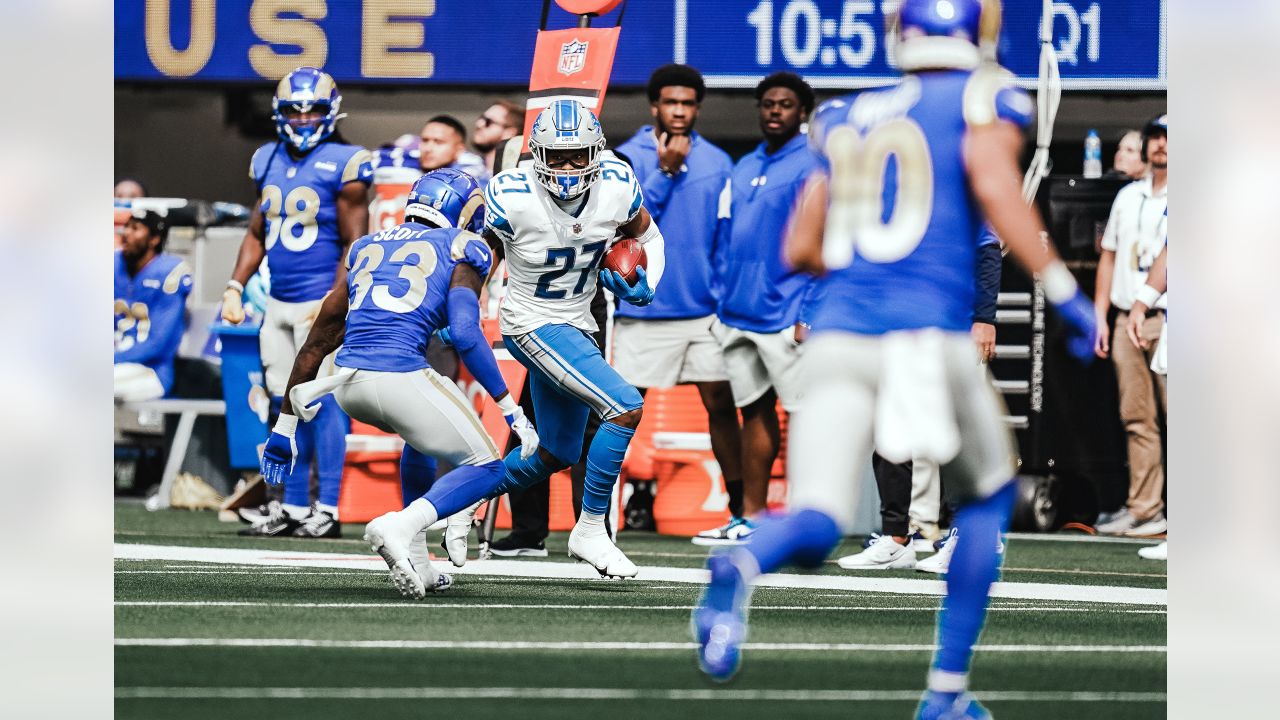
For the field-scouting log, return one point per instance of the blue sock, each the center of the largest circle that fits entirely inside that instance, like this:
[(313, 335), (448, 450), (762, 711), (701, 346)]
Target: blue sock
[(417, 472), (297, 487), (804, 538), (973, 568), (521, 473), (604, 462), (330, 448), (464, 485)]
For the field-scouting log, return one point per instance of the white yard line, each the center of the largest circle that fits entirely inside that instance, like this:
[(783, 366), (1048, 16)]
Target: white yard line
[(562, 606), (580, 571), (491, 693), (602, 645)]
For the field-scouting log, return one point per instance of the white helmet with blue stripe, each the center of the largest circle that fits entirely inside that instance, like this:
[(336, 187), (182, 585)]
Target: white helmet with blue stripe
[(566, 141)]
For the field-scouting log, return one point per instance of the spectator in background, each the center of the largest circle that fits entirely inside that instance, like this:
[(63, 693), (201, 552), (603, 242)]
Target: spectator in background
[(670, 342), (760, 304), (151, 289), (1156, 286), (1128, 162), (1134, 237), (500, 121), (130, 189), (443, 143)]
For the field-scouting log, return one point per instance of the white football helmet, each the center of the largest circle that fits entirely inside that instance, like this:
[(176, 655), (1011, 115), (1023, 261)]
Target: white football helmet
[(566, 125)]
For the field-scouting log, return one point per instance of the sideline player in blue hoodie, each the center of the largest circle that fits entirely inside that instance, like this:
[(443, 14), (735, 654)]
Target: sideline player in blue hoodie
[(312, 204), (761, 301), (670, 342)]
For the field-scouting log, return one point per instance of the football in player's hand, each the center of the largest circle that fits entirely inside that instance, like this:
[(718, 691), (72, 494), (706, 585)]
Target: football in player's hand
[(625, 256)]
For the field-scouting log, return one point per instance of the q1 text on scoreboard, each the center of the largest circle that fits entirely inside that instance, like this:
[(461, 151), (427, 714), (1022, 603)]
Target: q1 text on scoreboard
[(1101, 44)]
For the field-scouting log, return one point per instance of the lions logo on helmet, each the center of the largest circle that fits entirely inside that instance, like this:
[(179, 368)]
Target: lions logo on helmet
[(563, 127), (957, 34), (447, 198), (305, 107)]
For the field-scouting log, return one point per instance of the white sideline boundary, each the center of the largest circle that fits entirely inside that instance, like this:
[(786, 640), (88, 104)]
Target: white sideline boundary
[(313, 643), (626, 608), (514, 693), (580, 571)]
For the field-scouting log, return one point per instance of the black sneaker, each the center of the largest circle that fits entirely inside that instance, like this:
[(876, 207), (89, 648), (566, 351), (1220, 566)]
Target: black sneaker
[(514, 546), (319, 524), (278, 523)]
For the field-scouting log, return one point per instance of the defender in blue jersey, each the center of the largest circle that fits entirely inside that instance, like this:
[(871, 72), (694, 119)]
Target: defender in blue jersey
[(312, 203), (404, 284), (151, 291), (891, 221)]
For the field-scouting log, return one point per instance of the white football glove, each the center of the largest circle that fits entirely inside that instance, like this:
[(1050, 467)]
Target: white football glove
[(521, 425)]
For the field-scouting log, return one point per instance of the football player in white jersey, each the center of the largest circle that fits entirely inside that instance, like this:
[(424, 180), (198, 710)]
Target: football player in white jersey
[(555, 222)]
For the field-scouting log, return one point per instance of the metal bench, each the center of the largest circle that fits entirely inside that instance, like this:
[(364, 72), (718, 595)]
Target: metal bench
[(187, 411)]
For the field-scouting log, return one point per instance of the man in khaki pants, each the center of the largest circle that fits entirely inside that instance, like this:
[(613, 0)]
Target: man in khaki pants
[(1134, 237)]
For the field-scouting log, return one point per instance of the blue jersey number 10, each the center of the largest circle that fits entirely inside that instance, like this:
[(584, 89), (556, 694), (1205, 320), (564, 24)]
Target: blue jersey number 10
[(855, 220)]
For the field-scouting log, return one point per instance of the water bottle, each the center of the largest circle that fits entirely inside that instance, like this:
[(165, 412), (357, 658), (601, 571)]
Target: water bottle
[(1092, 155)]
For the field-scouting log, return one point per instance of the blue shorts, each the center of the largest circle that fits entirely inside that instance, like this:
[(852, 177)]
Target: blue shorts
[(569, 379)]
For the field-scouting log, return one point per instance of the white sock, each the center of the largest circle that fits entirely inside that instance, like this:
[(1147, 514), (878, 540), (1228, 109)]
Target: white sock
[(591, 524), (296, 512), (420, 514), (331, 509)]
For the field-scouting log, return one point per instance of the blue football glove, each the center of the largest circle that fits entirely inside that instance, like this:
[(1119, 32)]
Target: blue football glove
[(639, 294), (1081, 325), (445, 336), (281, 450)]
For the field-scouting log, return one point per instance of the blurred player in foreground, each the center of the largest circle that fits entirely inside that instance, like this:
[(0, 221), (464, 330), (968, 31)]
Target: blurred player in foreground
[(312, 190), (909, 172), (555, 222), (405, 283)]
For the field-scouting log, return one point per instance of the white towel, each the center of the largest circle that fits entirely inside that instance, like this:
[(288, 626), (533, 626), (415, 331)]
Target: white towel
[(1160, 359), (914, 414), (305, 397)]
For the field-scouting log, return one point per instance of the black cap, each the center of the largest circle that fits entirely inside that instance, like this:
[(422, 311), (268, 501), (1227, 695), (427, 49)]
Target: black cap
[(157, 223)]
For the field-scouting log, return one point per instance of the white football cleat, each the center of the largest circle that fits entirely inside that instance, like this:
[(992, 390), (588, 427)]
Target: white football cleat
[(941, 560), (390, 538), (456, 533), (594, 546), (883, 554), (1155, 552)]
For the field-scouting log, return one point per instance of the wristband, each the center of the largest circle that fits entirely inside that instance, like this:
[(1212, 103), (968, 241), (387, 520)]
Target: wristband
[(286, 425), (1059, 285), (235, 285), (507, 405), (1147, 295)]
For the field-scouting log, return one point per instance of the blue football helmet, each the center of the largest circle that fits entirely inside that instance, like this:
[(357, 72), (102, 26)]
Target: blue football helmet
[(566, 125), (306, 90), (447, 198), (958, 34)]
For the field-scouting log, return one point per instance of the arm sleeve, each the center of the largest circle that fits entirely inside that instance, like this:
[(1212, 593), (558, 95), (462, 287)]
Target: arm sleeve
[(655, 251), (165, 320), (470, 342), (988, 283)]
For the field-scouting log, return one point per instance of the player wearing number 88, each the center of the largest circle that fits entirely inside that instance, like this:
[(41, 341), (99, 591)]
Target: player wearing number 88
[(890, 222), (405, 283), (554, 222), (312, 204)]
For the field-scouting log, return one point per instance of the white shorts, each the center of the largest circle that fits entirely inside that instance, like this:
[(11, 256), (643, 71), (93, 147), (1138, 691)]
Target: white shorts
[(663, 353), (831, 433), (284, 328), (423, 407), (759, 361), (134, 381)]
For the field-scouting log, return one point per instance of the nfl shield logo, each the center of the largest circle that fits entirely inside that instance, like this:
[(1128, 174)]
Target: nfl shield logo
[(577, 228), (573, 57)]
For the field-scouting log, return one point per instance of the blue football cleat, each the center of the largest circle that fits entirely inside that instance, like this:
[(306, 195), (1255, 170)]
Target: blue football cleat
[(951, 706), (719, 621)]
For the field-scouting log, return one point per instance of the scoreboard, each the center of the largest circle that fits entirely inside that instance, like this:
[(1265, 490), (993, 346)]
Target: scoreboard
[(1101, 44)]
